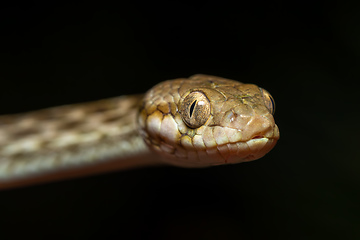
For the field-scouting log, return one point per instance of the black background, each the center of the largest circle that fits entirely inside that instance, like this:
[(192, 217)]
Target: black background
[(306, 54)]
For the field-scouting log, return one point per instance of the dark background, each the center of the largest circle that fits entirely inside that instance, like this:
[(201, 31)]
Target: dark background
[(305, 54)]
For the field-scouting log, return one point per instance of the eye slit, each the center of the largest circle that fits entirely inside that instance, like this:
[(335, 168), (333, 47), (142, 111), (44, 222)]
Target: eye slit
[(195, 109), (268, 101), (192, 108)]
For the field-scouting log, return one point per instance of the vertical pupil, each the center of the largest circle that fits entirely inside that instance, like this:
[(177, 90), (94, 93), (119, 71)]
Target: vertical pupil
[(192, 108)]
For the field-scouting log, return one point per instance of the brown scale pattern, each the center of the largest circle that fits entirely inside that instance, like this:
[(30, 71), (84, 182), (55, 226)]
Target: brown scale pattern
[(60, 137)]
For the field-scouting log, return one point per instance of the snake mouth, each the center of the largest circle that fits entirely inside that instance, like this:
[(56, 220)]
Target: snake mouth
[(246, 151), (228, 153), (258, 136)]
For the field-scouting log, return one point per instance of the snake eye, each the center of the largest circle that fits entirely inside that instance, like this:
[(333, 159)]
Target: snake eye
[(195, 109), (268, 100)]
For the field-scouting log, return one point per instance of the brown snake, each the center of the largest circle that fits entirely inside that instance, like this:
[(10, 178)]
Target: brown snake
[(197, 122)]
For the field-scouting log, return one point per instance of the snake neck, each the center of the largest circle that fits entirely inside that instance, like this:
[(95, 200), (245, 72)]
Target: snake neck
[(55, 141)]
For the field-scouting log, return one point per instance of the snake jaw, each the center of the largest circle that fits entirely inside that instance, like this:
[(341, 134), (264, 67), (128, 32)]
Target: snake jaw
[(230, 153), (214, 146), (252, 149), (259, 147)]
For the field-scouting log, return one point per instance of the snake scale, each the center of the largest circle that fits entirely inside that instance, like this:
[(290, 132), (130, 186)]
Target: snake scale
[(188, 122)]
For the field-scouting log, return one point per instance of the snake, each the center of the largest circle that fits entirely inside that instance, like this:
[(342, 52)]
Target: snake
[(194, 122)]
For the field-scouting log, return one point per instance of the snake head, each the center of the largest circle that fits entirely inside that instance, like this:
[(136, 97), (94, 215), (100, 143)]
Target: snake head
[(206, 120)]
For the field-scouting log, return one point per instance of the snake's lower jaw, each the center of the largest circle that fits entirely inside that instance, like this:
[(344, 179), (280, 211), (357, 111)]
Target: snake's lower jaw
[(226, 152), (229, 153), (257, 147), (252, 150)]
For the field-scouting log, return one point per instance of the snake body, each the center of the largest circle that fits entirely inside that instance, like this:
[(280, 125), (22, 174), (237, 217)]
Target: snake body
[(189, 122)]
